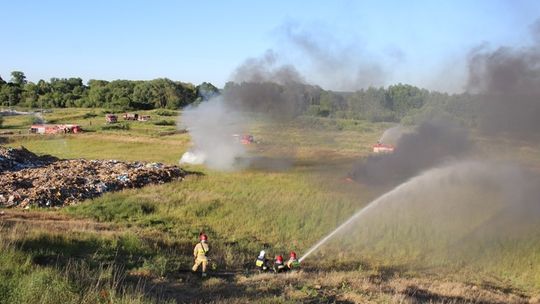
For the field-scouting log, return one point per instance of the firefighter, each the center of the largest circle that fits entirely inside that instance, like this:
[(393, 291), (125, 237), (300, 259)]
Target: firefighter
[(262, 261), (199, 253), (293, 262), (278, 265)]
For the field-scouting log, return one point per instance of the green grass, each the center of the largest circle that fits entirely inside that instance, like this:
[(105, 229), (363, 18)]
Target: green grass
[(167, 149), (248, 210), (27, 276), (164, 122)]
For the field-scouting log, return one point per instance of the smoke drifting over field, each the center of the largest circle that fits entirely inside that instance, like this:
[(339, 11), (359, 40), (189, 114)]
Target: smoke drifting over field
[(212, 125), (271, 89), (508, 80), (265, 89), (266, 69), (431, 144), (392, 135), (445, 204), (264, 86), (454, 210), (334, 64)]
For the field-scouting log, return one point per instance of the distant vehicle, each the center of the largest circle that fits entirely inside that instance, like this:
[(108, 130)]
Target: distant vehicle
[(144, 118), (245, 139), (111, 118), (55, 129), (382, 148), (131, 116)]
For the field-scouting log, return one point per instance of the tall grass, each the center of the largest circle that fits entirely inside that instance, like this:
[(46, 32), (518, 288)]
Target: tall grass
[(39, 267), (244, 212)]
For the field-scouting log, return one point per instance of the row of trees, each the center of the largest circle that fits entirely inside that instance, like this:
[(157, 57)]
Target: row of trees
[(399, 102), (375, 104), (118, 94)]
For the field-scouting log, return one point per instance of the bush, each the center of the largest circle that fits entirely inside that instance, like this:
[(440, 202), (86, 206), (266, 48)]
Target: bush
[(35, 120), (164, 122), (89, 115), (166, 113), (118, 126), (114, 210)]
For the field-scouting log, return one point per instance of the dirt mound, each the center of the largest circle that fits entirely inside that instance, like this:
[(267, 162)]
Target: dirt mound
[(12, 159), (46, 182)]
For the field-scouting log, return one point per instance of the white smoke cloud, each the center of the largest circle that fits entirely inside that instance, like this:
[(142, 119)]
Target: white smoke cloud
[(213, 125)]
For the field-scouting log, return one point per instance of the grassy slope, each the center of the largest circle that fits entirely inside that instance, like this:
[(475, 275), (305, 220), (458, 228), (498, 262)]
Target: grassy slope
[(244, 211)]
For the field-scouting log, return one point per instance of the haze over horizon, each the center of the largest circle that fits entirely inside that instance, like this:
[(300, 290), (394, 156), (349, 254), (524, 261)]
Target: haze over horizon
[(343, 46)]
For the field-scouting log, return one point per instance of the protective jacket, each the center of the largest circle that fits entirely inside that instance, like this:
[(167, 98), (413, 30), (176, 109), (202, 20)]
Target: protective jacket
[(279, 266), (293, 263), (262, 263), (199, 252)]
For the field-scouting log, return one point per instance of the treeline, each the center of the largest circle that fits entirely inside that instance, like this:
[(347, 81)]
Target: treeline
[(396, 103), (118, 94), (374, 104)]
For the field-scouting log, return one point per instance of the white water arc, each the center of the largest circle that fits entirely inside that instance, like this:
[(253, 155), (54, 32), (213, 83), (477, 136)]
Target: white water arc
[(355, 216)]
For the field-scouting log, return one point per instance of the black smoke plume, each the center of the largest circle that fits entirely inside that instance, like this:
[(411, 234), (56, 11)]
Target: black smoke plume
[(431, 144), (508, 82), (264, 86)]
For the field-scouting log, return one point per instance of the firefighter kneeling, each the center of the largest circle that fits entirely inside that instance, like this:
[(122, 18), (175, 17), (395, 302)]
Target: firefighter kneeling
[(293, 262), (199, 252), (278, 265), (262, 261)]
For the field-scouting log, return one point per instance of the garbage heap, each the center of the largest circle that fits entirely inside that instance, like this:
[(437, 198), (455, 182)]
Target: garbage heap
[(64, 182), (17, 159)]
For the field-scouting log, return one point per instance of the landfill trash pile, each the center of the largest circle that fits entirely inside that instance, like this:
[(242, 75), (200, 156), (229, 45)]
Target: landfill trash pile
[(65, 182), (12, 159)]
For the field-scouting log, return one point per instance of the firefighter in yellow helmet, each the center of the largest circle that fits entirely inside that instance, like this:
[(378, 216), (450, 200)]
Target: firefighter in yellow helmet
[(199, 252)]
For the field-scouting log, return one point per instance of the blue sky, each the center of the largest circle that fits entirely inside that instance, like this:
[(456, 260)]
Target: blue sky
[(420, 42)]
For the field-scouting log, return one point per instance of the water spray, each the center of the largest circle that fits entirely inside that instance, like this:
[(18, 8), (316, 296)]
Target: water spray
[(358, 214), (511, 186)]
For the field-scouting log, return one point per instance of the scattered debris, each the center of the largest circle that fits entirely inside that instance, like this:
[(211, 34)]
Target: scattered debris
[(47, 182), (17, 159), (55, 129)]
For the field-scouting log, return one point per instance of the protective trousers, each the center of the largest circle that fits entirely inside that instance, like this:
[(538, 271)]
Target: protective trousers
[(199, 261)]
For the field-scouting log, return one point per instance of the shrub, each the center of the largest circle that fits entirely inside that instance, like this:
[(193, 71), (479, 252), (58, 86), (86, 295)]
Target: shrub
[(35, 120), (164, 122), (119, 126), (166, 113), (115, 210), (89, 115)]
